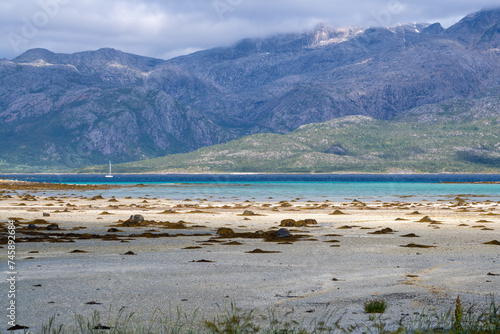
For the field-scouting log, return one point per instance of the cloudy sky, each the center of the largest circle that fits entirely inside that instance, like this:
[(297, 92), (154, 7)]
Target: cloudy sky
[(167, 28)]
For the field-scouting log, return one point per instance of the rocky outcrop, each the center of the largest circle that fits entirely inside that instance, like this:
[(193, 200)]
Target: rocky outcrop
[(86, 108)]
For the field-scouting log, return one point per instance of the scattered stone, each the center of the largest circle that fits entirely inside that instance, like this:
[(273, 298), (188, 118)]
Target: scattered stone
[(32, 227), (233, 243), (412, 245), (225, 232), (410, 235), (337, 212), (129, 253), (168, 211), (202, 261), (52, 227), (134, 220), (386, 230), (493, 242), (17, 327), (39, 221), (282, 233), (93, 302), (113, 230), (102, 327), (260, 251), (248, 213), (78, 251), (45, 214), (426, 219), (357, 201)]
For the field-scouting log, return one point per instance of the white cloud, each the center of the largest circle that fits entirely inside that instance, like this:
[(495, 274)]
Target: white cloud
[(165, 28)]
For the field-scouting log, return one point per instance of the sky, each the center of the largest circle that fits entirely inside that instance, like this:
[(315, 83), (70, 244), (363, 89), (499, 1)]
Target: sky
[(167, 28)]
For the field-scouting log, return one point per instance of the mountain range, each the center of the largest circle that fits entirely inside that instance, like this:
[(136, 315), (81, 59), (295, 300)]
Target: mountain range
[(62, 111)]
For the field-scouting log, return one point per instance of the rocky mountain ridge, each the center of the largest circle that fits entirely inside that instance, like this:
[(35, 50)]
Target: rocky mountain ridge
[(70, 110), (454, 136)]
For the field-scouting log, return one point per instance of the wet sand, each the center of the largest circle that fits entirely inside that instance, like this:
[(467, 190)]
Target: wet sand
[(414, 255)]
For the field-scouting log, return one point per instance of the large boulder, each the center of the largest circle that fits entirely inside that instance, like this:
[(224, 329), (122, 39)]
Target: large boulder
[(134, 220), (282, 233)]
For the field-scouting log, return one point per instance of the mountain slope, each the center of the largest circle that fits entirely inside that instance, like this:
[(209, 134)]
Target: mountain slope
[(452, 136), (64, 111), (86, 108)]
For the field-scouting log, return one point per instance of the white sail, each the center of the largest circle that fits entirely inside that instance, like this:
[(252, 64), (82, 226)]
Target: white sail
[(109, 174)]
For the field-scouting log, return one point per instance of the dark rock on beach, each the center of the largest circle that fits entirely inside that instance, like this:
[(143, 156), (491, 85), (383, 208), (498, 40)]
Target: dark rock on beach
[(134, 220), (282, 233), (17, 327)]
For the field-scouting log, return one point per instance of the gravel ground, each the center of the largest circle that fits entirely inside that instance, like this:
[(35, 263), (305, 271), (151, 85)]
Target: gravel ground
[(304, 280)]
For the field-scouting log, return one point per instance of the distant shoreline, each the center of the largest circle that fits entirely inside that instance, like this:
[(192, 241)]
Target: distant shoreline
[(249, 173)]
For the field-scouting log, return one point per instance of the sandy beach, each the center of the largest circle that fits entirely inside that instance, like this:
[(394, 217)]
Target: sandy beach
[(75, 255)]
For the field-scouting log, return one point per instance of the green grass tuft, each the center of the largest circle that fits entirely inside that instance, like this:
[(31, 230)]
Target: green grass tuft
[(233, 320), (375, 306)]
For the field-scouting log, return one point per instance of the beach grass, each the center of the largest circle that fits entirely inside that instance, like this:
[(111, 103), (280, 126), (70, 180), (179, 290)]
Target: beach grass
[(375, 306), (459, 319)]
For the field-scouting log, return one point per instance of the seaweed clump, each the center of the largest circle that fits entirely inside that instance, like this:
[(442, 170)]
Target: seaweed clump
[(281, 235), (298, 223), (386, 230), (412, 245), (138, 220)]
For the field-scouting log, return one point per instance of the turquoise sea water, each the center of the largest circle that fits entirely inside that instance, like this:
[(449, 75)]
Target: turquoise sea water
[(267, 187)]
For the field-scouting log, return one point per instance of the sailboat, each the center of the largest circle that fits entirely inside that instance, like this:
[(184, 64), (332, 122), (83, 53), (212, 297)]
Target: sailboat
[(109, 174)]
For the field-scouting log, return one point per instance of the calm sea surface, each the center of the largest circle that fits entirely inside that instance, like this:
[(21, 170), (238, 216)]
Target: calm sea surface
[(272, 187)]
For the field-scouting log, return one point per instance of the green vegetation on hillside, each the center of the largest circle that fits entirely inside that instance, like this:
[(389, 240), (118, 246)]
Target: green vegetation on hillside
[(450, 137)]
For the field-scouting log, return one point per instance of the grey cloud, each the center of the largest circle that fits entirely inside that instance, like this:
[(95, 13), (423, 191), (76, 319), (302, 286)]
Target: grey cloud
[(166, 28)]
